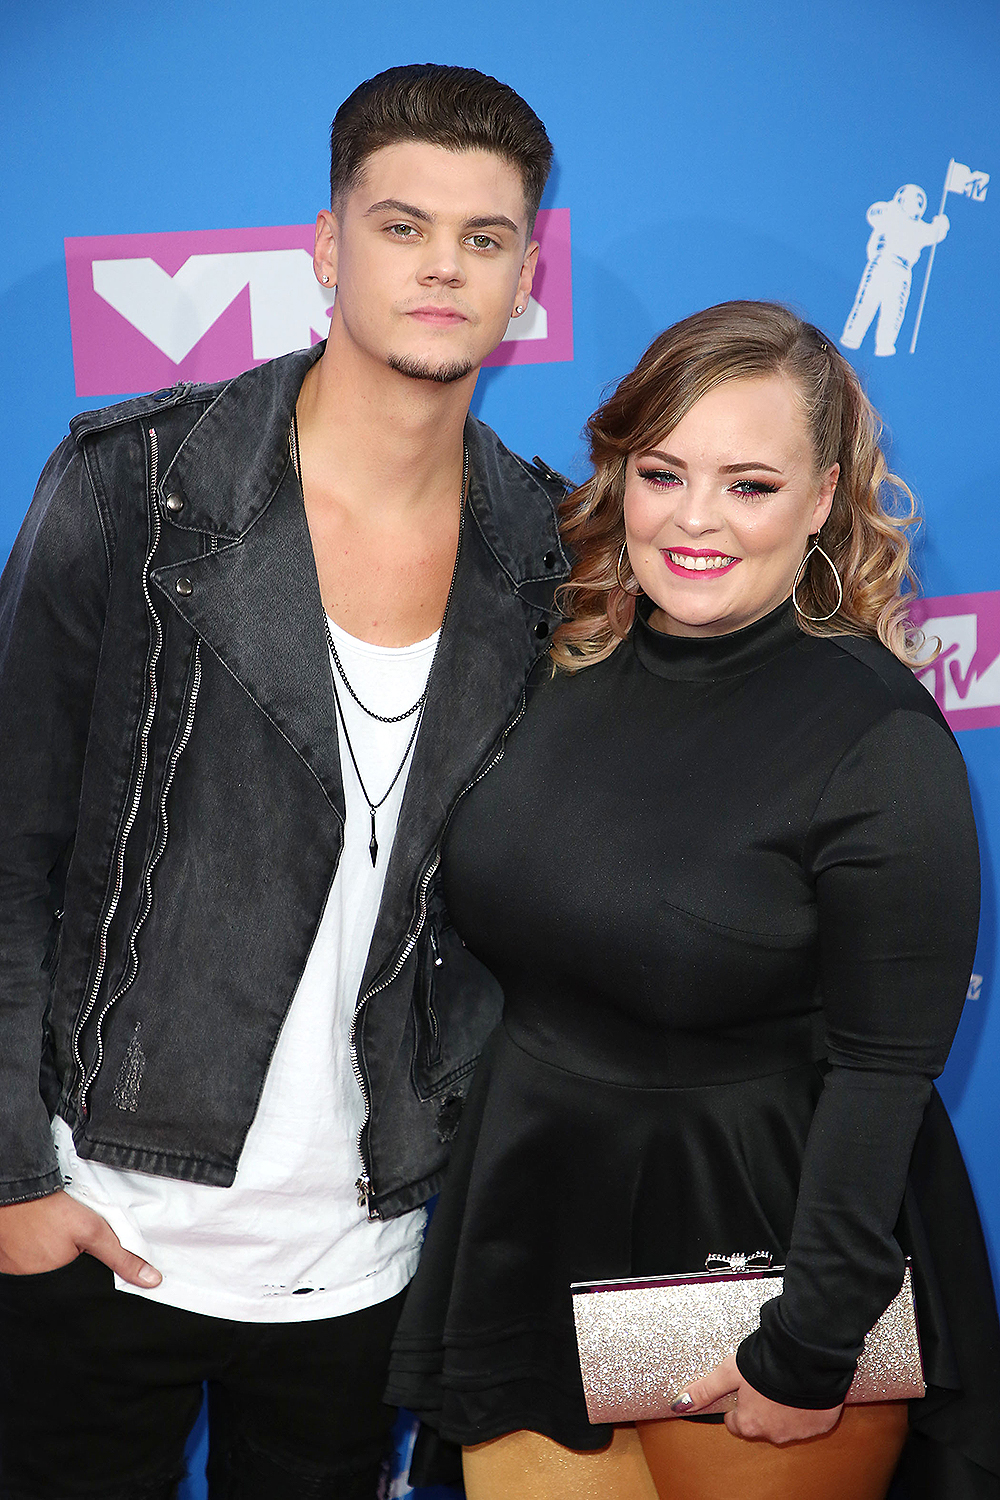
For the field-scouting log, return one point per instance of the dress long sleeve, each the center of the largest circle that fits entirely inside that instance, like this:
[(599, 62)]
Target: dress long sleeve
[(892, 849)]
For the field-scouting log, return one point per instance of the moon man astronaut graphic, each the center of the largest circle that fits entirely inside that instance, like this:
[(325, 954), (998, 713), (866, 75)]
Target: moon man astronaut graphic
[(899, 235)]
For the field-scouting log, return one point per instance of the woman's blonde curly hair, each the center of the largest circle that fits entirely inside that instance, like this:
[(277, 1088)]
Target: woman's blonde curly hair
[(865, 533)]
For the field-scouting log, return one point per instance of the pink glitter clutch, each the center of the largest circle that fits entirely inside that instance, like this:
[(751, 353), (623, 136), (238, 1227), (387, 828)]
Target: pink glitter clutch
[(643, 1340)]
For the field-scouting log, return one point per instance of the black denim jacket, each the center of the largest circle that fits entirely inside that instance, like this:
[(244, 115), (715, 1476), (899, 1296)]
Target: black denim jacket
[(171, 803)]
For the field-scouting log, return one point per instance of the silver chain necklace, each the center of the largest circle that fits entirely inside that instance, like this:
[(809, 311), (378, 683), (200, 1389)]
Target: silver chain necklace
[(418, 707)]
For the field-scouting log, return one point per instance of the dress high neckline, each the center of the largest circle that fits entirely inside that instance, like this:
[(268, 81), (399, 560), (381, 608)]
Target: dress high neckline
[(704, 658)]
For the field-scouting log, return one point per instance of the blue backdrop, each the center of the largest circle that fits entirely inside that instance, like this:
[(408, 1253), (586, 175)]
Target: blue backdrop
[(704, 152)]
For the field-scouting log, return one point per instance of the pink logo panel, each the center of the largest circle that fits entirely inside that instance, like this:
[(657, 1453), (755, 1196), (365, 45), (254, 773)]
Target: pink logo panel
[(148, 310), (544, 332), (965, 678)]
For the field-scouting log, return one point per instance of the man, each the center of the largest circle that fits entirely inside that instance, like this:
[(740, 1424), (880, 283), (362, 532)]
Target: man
[(255, 641)]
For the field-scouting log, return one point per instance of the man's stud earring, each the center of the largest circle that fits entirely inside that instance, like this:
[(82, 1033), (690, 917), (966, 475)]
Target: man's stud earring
[(518, 310), (325, 280)]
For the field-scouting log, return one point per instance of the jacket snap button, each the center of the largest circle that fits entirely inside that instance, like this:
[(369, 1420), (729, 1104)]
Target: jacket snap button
[(184, 586), (175, 504), (542, 629), (549, 559)]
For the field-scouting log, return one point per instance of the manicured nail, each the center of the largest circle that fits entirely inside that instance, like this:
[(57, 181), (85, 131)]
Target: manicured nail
[(682, 1403)]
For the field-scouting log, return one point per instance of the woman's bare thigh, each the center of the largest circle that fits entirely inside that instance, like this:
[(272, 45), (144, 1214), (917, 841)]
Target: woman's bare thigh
[(527, 1466), (703, 1461), (695, 1461)]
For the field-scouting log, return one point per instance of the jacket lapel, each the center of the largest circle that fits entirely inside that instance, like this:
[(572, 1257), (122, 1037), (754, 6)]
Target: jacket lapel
[(491, 639), (256, 603), (255, 600)]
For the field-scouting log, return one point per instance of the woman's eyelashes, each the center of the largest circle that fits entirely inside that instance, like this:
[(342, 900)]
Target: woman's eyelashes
[(750, 489), (747, 489), (660, 479)]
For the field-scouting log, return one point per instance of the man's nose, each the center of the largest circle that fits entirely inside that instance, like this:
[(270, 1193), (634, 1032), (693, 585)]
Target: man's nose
[(442, 263)]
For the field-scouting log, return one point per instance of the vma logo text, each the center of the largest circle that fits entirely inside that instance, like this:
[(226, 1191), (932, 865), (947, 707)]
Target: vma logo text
[(965, 678), (148, 310)]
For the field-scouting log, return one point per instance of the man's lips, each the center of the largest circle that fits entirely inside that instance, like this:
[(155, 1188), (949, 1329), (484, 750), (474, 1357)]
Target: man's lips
[(437, 317), (690, 562)]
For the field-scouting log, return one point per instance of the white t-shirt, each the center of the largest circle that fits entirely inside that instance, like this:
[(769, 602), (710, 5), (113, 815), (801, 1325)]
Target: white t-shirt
[(288, 1241)]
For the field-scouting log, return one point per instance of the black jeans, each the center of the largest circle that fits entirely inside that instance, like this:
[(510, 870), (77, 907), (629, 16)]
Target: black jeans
[(99, 1391)]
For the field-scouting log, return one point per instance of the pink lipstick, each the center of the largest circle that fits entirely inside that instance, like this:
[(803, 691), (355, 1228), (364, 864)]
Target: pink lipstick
[(698, 562)]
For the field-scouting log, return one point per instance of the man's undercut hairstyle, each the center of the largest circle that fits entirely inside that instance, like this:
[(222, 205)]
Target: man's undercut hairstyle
[(457, 108)]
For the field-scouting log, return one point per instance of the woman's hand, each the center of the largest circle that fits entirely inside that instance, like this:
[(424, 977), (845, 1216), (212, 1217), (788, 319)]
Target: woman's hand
[(753, 1416)]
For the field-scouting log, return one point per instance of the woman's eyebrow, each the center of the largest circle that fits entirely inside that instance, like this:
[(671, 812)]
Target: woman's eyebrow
[(739, 468), (665, 458), (678, 463)]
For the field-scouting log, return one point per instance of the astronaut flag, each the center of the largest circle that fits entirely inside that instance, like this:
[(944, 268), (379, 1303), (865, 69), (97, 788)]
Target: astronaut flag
[(969, 184), (957, 179)]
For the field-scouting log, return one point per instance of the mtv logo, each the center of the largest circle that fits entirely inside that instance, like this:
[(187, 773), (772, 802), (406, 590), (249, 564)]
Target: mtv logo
[(148, 310), (965, 677)]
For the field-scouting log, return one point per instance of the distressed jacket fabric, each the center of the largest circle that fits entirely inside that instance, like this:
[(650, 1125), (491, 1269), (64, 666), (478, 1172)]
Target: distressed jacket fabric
[(171, 802)]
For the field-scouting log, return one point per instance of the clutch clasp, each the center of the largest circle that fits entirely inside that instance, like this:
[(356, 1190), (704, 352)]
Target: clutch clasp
[(757, 1260)]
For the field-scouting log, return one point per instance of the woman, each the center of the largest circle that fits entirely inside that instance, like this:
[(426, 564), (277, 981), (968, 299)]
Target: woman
[(726, 873)]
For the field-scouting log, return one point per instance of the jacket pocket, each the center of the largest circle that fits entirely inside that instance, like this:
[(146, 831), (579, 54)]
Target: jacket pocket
[(457, 1003)]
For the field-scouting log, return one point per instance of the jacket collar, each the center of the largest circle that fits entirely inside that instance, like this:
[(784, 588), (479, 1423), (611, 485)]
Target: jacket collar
[(254, 598), (513, 510), (232, 461)]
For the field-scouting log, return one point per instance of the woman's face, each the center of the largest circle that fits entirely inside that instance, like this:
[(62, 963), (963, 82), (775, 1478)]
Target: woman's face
[(718, 514)]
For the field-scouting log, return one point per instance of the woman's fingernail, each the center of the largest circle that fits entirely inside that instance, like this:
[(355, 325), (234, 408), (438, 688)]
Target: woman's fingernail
[(682, 1403)]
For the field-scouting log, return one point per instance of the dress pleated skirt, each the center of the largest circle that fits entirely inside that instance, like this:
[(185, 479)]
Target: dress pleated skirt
[(558, 1177)]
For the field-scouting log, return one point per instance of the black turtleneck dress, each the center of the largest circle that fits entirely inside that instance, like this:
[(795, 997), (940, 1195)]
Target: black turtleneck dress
[(730, 889)]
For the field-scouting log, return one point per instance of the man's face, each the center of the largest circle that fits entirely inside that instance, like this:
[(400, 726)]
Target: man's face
[(429, 257)]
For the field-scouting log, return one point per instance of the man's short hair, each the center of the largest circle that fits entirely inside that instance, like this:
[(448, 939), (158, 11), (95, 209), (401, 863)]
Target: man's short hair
[(457, 108)]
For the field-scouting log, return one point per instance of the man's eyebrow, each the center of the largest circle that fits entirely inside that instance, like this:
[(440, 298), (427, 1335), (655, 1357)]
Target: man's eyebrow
[(491, 221), (396, 205)]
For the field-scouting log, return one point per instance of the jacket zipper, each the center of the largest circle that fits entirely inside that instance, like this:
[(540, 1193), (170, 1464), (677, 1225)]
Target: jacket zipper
[(363, 1184), (180, 744), (119, 866), (438, 961)]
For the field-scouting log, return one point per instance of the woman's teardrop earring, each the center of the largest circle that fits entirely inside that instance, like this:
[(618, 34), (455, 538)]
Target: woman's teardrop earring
[(817, 619)]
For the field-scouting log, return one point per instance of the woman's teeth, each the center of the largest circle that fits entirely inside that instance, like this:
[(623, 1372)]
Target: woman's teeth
[(699, 564)]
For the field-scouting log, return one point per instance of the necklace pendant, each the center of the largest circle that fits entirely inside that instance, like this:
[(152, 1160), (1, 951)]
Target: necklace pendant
[(373, 846)]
